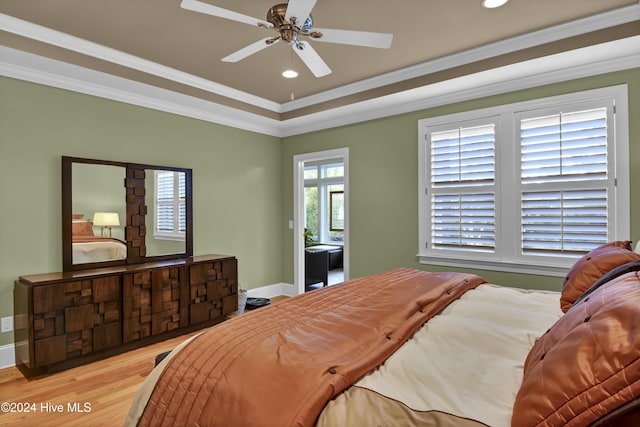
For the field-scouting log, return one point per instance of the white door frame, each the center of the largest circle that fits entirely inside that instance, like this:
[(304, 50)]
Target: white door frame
[(298, 211)]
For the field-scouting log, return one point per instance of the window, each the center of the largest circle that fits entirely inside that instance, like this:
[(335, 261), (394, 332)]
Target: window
[(170, 206), (565, 181), (532, 185), (462, 181), (336, 210), (324, 201)]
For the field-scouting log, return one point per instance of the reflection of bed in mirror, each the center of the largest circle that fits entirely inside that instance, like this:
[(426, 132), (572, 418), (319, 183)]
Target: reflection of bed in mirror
[(87, 247)]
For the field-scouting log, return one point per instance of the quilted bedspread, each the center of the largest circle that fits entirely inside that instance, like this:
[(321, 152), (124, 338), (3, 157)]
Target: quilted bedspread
[(280, 365)]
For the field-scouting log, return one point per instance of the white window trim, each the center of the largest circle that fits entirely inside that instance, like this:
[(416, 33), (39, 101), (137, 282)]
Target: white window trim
[(507, 257)]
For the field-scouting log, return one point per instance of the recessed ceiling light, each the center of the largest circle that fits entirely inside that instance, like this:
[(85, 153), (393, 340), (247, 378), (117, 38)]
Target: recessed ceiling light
[(490, 4), (289, 74)]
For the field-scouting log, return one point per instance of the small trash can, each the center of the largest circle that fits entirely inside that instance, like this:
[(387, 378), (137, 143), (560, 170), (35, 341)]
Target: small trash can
[(242, 301)]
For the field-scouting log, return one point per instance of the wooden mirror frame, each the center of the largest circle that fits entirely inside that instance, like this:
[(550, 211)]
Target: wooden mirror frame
[(135, 229)]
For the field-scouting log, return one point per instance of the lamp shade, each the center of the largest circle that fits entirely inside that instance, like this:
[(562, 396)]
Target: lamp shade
[(106, 219)]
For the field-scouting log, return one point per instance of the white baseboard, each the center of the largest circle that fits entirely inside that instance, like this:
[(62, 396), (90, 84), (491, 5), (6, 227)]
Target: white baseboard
[(272, 291), (7, 356)]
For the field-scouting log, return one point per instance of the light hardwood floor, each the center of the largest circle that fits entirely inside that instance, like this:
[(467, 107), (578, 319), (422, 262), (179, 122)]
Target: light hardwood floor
[(106, 386)]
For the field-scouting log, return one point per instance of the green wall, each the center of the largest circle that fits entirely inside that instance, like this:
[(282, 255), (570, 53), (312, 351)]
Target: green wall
[(243, 189), (383, 181), (236, 178), (98, 188)]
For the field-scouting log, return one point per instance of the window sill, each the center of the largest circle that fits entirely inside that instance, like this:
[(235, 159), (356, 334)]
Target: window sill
[(509, 267), (169, 237)]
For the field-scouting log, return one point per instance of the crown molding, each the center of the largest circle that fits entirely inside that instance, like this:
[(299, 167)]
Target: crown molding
[(38, 69), (589, 61)]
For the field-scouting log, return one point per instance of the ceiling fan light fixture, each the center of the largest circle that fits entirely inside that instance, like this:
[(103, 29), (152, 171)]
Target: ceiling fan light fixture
[(293, 23), (290, 74), (491, 4)]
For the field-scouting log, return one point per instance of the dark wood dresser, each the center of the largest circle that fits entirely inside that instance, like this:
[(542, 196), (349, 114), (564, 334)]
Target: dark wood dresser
[(67, 319)]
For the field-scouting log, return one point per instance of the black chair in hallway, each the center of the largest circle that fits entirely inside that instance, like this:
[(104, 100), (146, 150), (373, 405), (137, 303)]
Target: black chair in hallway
[(316, 266)]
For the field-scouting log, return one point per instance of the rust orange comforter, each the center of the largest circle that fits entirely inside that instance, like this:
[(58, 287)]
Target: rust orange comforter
[(279, 365)]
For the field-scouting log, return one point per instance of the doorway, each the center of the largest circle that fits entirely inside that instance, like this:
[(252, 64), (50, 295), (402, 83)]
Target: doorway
[(321, 215)]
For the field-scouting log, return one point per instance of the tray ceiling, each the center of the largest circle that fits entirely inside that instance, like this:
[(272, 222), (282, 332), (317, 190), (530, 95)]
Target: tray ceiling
[(156, 42)]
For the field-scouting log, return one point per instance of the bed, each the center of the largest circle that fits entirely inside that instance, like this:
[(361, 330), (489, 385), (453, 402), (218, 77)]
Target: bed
[(413, 348), (88, 248)]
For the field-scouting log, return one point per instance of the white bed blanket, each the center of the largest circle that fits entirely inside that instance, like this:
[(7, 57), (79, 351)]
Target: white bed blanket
[(86, 252), (466, 362)]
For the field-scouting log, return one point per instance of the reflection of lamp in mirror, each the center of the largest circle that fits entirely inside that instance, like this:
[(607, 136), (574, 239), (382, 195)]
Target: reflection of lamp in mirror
[(106, 219)]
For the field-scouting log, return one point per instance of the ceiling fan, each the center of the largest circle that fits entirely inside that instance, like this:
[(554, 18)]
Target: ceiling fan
[(293, 22)]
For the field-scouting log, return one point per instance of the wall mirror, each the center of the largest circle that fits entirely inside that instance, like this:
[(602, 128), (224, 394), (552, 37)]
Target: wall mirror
[(116, 213)]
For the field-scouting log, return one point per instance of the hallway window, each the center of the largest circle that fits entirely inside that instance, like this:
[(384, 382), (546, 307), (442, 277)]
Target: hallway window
[(324, 206)]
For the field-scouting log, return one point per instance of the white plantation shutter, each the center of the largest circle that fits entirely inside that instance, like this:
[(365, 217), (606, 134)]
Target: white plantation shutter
[(564, 146), (462, 166), (182, 207), (170, 220), (525, 187), (564, 177), (164, 201), (571, 222), (464, 220), (463, 156)]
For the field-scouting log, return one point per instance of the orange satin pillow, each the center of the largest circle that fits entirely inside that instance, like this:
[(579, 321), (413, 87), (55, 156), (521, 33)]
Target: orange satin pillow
[(591, 267), (588, 364), (82, 228)]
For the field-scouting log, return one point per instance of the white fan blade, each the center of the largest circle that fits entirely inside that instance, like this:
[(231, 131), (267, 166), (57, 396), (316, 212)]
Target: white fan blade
[(206, 8), (357, 38), (312, 60), (299, 9), (249, 50)]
